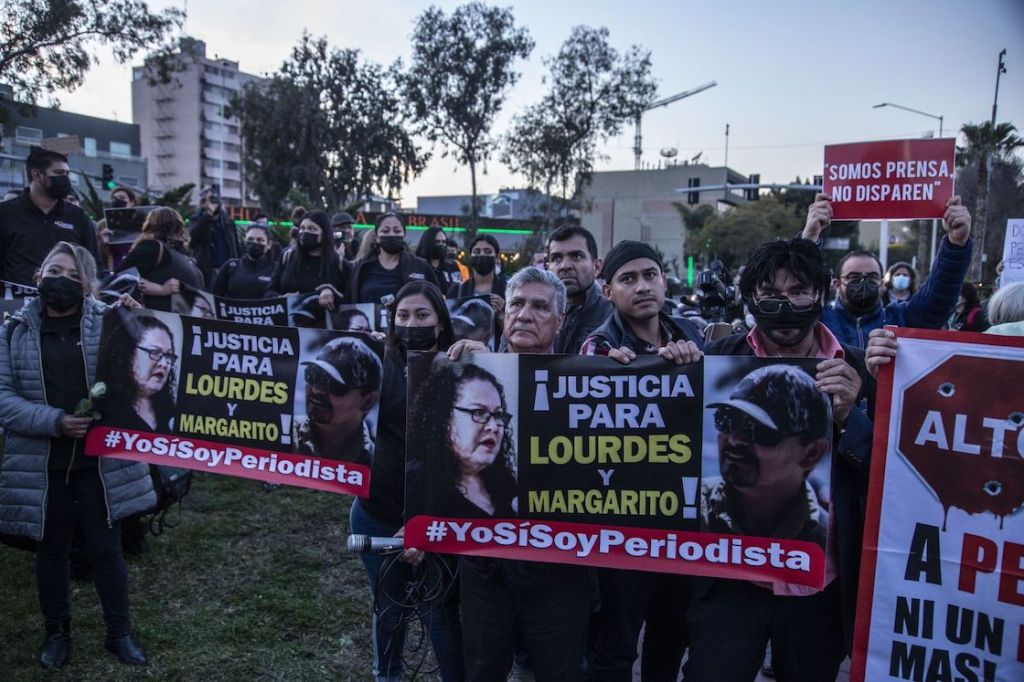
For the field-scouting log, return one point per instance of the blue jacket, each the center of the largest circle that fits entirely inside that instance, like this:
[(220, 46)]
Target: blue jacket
[(928, 308)]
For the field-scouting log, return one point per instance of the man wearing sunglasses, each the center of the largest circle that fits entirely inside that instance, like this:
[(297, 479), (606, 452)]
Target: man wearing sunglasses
[(342, 386), (858, 307), (784, 285)]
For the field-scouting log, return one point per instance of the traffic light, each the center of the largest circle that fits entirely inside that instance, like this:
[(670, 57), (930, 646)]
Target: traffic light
[(752, 193), (108, 177), (693, 198)]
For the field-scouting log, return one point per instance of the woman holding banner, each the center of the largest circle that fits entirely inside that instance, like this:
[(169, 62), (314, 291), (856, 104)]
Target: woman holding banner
[(48, 358), (312, 265), (161, 256), (419, 322)]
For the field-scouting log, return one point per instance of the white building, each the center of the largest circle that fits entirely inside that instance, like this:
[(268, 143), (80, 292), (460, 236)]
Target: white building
[(184, 132)]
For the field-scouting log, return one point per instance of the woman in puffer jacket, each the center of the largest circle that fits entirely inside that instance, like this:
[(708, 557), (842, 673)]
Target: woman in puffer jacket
[(48, 355)]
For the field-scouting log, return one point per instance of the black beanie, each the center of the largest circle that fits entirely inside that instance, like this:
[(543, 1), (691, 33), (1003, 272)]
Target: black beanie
[(622, 253)]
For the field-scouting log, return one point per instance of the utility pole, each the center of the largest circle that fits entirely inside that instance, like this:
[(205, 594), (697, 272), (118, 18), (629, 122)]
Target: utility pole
[(725, 194), (1001, 69)]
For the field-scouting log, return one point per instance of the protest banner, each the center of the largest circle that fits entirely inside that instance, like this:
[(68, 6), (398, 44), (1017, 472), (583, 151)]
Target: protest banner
[(473, 318), (12, 297), (890, 180), (572, 459), (111, 288), (942, 581), (296, 310), (1013, 253), (275, 404)]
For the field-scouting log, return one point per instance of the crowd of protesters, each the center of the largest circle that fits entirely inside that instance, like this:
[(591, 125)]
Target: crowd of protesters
[(561, 622)]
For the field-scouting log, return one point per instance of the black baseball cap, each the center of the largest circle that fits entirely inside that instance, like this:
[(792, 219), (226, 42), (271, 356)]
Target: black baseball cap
[(783, 398)]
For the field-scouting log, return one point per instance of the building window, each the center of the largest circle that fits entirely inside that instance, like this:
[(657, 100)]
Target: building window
[(211, 126), (122, 149), (213, 163), (231, 147), (231, 165), (89, 146), (232, 184), (26, 135)]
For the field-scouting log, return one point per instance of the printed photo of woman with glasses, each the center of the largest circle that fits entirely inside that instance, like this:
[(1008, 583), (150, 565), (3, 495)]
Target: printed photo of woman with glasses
[(139, 364), (462, 447)]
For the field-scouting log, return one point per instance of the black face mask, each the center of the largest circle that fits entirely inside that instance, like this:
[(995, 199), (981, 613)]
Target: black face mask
[(436, 251), (392, 245), (119, 203), (415, 338), (60, 186), (60, 293), (308, 241), (482, 265), (255, 250), (778, 313), (862, 297)]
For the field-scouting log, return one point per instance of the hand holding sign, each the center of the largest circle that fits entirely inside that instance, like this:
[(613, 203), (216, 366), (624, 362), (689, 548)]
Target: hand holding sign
[(819, 215), (957, 221)]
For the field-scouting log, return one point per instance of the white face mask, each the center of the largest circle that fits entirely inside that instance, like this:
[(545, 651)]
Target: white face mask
[(901, 282)]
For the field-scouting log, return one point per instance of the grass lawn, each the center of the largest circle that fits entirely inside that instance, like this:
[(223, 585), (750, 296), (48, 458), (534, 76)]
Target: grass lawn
[(250, 586)]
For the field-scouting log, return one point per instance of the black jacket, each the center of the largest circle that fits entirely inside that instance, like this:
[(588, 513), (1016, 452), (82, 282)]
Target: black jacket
[(850, 465), (387, 480), (290, 277), (244, 278), (410, 267), (207, 232), (467, 289), (158, 263), (615, 333), (582, 320), (27, 235)]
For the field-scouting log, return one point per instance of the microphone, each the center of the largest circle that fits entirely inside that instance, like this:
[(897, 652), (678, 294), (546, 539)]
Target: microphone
[(358, 544)]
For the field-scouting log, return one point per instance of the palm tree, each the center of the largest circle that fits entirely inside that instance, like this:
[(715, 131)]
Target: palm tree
[(985, 142)]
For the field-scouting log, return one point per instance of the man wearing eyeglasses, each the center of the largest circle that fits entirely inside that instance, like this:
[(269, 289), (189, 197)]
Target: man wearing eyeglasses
[(772, 432), (858, 308), (342, 386), (784, 285)]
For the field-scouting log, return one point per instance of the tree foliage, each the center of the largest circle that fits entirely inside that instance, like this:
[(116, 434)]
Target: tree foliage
[(732, 236), (986, 145), (46, 45), (329, 125), (462, 69), (592, 91)]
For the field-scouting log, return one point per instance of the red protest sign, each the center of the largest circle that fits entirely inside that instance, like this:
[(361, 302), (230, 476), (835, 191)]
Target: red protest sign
[(942, 572), (890, 180)]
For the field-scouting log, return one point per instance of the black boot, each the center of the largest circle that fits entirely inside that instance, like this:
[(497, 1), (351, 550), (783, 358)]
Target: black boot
[(127, 650), (55, 648)]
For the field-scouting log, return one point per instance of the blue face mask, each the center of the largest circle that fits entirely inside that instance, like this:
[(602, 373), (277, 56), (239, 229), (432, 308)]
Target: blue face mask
[(901, 282)]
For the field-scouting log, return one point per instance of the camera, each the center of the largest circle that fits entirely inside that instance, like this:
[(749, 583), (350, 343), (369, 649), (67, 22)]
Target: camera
[(714, 297)]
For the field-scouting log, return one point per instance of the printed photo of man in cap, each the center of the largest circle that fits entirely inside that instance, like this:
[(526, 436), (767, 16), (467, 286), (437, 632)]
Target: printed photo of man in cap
[(772, 431), (342, 386)]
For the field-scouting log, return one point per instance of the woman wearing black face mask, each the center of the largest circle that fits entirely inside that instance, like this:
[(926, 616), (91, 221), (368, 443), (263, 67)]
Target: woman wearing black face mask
[(483, 260), (162, 259), (433, 248), (419, 322), (378, 279), (46, 483), (312, 265), (250, 275)]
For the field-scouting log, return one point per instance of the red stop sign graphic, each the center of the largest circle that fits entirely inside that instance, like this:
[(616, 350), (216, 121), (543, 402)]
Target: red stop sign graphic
[(962, 429)]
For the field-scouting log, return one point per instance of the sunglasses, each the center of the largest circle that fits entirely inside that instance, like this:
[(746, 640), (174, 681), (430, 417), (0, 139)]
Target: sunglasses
[(747, 428), (315, 376), (775, 304)]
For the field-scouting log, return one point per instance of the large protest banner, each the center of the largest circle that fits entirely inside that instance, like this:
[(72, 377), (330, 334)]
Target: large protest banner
[(473, 318), (296, 310), (276, 404), (890, 180), (649, 466), (1013, 253), (942, 576), (12, 297)]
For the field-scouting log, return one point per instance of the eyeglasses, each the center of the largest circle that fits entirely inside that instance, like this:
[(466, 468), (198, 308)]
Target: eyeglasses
[(747, 428), (316, 376), (856, 278), (773, 305), (482, 416), (156, 355)]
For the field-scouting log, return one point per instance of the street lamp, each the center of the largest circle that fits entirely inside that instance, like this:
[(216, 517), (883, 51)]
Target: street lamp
[(935, 223), (916, 111)]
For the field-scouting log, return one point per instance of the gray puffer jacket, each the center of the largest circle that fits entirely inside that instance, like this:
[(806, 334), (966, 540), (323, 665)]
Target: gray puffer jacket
[(29, 423)]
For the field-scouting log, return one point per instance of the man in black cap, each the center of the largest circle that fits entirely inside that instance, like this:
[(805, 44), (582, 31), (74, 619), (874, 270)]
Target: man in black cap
[(636, 286), (345, 240), (342, 386), (772, 431), (33, 223)]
